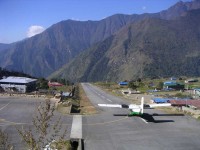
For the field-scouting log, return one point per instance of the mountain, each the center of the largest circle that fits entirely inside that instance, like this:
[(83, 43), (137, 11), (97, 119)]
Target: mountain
[(4, 46), (45, 53), (148, 48), (48, 51), (179, 9)]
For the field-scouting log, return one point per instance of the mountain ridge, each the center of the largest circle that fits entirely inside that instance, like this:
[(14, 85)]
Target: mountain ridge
[(45, 53), (149, 48)]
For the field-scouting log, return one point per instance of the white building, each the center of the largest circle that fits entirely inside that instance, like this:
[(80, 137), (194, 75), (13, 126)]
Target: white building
[(196, 92), (19, 84)]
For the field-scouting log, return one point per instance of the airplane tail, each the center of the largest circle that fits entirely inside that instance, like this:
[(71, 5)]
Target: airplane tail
[(142, 105)]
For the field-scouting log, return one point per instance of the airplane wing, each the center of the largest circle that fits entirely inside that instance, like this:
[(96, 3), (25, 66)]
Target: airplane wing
[(159, 105), (114, 105)]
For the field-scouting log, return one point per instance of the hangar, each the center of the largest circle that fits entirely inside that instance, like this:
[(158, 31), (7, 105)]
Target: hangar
[(18, 84)]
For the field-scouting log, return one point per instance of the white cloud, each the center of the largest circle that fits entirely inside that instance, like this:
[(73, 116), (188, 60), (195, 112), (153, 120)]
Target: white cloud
[(75, 19), (144, 7), (35, 29)]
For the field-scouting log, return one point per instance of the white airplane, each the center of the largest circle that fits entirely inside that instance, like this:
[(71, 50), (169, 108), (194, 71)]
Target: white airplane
[(136, 110)]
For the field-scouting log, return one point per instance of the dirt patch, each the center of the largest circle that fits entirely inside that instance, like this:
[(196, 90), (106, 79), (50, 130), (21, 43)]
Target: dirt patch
[(63, 109)]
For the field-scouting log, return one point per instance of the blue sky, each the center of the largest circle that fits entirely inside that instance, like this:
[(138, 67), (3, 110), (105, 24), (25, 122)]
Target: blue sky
[(20, 19)]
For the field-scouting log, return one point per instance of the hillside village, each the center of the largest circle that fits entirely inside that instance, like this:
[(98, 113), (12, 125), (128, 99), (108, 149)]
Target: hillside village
[(182, 93)]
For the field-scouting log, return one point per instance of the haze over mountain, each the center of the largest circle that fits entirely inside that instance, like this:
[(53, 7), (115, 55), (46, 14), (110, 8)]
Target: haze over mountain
[(42, 54)]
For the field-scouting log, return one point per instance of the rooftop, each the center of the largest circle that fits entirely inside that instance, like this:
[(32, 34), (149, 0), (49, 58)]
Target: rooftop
[(195, 103), (13, 79)]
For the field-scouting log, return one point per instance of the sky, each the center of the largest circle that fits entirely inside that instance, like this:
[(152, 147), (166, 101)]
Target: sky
[(20, 19)]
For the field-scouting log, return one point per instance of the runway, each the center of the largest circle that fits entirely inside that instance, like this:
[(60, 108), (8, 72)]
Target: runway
[(105, 131)]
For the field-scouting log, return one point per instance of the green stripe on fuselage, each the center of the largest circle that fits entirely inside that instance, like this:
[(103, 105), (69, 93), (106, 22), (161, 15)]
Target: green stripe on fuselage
[(135, 113)]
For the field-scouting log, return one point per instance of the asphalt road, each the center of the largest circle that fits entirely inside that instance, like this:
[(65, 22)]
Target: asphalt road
[(104, 131), (16, 112)]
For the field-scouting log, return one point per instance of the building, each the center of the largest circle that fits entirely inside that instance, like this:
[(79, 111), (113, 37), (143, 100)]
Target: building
[(191, 80), (173, 78), (18, 84), (193, 103), (123, 83), (54, 84), (196, 92), (173, 85), (160, 100)]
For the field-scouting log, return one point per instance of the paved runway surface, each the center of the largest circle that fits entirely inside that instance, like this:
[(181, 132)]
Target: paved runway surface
[(18, 112), (104, 131)]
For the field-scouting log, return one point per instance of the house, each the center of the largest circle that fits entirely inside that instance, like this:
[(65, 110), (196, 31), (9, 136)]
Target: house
[(18, 84), (196, 92), (123, 83), (160, 100), (173, 78), (173, 85), (129, 91), (194, 103), (191, 80), (54, 84)]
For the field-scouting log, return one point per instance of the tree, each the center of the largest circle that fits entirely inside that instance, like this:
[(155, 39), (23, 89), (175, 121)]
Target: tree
[(139, 80), (63, 81), (159, 85), (132, 85), (42, 83), (180, 78), (43, 132)]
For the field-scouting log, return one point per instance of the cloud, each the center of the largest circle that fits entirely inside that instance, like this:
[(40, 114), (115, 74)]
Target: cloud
[(144, 7), (35, 29), (75, 19)]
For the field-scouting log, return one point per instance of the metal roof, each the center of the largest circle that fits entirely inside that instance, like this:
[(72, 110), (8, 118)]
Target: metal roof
[(160, 100), (13, 79), (123, 83), (195, 103)]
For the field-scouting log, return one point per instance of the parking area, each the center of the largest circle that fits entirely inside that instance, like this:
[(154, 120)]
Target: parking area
[(18, 112)]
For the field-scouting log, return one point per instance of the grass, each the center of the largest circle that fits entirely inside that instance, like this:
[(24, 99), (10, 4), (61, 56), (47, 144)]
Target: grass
[(61, 145)]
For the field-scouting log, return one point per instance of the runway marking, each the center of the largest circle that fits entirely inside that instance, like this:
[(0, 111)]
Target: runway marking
[(103, 123), (144, 120), (5, 106), (108, 100), (4, 122), (8, 123)]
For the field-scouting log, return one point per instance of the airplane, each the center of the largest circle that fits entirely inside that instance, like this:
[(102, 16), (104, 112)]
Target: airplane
[(138, 110)]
